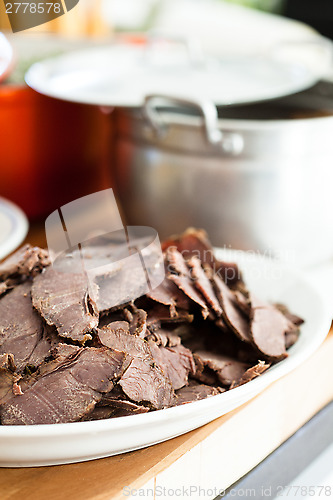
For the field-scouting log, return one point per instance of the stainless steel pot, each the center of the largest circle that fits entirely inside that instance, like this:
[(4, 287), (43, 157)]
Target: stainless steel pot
[(260, 179)]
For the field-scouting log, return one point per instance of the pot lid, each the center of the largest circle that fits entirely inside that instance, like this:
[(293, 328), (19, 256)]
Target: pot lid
[(122, 74)]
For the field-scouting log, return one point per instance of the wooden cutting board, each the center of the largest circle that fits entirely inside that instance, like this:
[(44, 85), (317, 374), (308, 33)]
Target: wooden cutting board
[(212, 457)]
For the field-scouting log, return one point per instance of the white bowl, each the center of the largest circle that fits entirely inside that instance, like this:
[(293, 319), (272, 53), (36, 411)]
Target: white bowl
[(67, 443)]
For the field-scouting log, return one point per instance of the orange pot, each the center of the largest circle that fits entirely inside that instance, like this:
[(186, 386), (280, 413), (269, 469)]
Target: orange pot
[(51, 151)]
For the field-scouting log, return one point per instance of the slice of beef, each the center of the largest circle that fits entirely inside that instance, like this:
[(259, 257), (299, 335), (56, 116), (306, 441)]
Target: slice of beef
[(180, 275), (160, 315), (185, 284), (232, 315), (195, 242), (268, 330), (115, 404), (8, 377), (291, 338), (165, 338), (293, 318), (251, 373), (137, 319), (203, 284), (64, 301), (21, 328), (68, 392), (226, 369), (118, 326), (25, 262), (176, 362), (168, 294), (143, 381), (194, 392), (115, 408)]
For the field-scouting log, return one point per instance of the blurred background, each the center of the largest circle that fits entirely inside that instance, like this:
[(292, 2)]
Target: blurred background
[(53, 151)]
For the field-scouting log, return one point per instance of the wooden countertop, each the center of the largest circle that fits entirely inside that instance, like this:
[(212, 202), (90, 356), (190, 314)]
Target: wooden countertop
[(212, 457)]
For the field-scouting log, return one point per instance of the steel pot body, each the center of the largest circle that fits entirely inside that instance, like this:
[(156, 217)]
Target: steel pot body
[(263, 185)]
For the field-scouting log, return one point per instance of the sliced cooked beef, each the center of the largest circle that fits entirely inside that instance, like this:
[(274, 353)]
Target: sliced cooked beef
[(143, 381), (293, 318), (176, 362), (161, 315), (67, 393), (25, 262), (118, 326), (232, 315), (115, 408), (195, 392), (199, 333), (8, 377), (165, 338), (291, 338), (268, 329), (115, 404), (168, 294), (137, 319), (227, 370), (21, 328), (180, 275), (185, 285), (203, 284), (63, 301), (251, 373), (195, 242)]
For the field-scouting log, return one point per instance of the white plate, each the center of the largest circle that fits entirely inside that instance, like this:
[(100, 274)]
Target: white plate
[(68, 443), (13, 227), (105, 76)]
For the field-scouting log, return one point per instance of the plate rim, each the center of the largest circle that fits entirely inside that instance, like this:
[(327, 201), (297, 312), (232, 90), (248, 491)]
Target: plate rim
[(20, 227)]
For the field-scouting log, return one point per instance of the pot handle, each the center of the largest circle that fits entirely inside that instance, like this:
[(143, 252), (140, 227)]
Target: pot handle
[(230, 143)]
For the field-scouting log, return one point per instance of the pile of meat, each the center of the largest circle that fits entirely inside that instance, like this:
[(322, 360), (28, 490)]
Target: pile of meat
[(63, 358)]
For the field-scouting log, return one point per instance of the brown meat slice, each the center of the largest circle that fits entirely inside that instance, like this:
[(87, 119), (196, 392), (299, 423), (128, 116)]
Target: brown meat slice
[(137, 319), (195, 242), (168, 294), (8, 377), (21, 328), (165, 338), (143, 381), (115, 404), (195, 392), (268, 329), (115, 408), (203, 284), (185, 284), (161, 314), (232, 315), (226, 369), (63, 301), (67, 393), (251, 373), (176, 362), (293, 318), (180, 275), (27, 261)]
